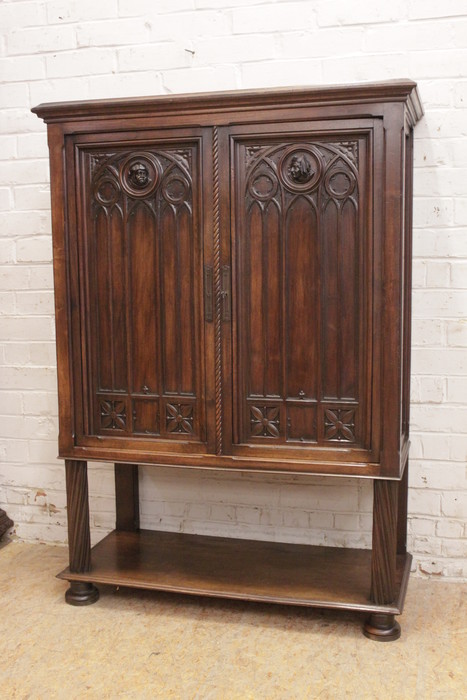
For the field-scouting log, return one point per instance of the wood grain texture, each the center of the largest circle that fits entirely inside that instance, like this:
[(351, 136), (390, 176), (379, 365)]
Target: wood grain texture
[(384, 543), (245, 100), (301, 246), (300, 216), (291, 356), (79, 538), (140, 271), (217, 289), (231, 568), (126, 497)]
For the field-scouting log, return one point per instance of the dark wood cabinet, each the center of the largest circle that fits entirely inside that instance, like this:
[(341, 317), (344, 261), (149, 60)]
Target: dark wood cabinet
[(232, 276)]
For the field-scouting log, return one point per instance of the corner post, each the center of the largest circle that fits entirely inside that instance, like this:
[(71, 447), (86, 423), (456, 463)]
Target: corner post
[(79, 537), (126, 497), (383, 627)]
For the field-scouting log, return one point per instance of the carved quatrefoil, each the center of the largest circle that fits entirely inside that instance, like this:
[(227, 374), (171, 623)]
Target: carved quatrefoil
[(339, 424), (179, 418), (264, 421), (340, 182), (113, 415)]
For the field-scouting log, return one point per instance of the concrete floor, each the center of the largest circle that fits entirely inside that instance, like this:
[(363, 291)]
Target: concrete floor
[(136, 644)]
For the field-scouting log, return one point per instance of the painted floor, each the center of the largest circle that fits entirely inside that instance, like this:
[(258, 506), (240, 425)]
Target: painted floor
[(136, 644)]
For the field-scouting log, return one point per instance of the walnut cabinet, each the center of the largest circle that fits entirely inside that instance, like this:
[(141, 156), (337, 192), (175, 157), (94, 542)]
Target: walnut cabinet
[(232, 279)]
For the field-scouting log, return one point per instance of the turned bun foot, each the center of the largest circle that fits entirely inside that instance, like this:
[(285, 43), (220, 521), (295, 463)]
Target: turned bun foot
[(81, 593), (382, 627)]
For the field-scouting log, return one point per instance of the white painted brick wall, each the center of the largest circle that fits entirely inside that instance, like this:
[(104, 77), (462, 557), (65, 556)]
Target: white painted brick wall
[(78, 49)]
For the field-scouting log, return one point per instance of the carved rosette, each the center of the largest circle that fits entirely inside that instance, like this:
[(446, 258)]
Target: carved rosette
[(179, 418), (113, 415), (265, 421), (339, 424)]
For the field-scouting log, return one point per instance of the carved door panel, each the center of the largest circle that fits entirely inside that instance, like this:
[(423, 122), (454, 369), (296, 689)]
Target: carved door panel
[(141, 261), (303, 252)]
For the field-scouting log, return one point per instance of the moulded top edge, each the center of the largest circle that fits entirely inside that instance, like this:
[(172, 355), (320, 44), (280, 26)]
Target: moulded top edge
[(238, 100)]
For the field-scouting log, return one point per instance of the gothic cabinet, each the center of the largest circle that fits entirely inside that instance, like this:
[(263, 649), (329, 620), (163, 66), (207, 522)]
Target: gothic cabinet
[(232, 276)]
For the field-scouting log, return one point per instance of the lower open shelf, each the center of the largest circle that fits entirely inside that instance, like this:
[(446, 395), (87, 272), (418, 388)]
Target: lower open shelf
[(327, 577)]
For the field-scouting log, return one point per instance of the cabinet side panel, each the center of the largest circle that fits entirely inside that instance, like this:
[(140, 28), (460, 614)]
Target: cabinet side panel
[(407, 282)]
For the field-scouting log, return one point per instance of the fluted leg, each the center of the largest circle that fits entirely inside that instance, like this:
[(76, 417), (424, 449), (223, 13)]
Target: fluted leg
[(79, 538), (382, 626)]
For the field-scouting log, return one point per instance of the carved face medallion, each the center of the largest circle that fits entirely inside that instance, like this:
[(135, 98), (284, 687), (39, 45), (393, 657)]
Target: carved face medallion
[(300, 168), (139, 174)]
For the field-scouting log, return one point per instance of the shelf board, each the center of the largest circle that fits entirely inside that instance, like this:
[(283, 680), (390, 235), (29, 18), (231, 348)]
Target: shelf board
[(292, 574)]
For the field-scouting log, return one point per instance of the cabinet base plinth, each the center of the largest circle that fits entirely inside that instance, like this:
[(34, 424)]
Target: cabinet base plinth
[(382, 627), (81, 593)]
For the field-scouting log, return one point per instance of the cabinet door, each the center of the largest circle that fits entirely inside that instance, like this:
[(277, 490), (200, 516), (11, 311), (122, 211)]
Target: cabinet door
[(141, 336), (303, 255)]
